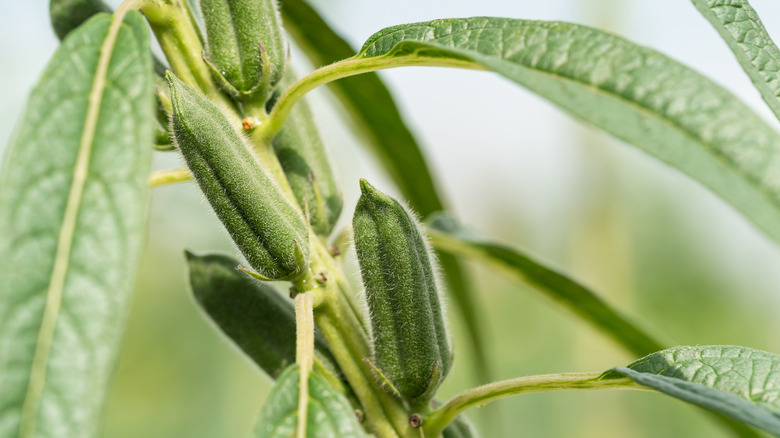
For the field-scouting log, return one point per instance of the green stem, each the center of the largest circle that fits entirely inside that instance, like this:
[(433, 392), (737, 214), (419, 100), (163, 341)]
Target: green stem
[(180, 41), (342, 69), (346, 336), (304, 354), (435, 422), (171, 176), (265, 154)]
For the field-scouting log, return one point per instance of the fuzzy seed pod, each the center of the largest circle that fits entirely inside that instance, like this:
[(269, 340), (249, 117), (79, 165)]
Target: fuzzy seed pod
[(304, 159), (245, 45), (253, 315), (268, 229), (410, 342)]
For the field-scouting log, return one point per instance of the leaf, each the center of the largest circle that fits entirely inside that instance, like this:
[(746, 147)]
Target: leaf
[(632, 92), (739, 382), (448, 235), (329, 413), (251, 314), (375, 114), (67, 15), (739, 25), (73, 202)]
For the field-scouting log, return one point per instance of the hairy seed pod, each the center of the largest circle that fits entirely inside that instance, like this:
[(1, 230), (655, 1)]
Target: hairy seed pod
[(253, 315), (304, 159), (245, 45), (268, 229), (410, 341)]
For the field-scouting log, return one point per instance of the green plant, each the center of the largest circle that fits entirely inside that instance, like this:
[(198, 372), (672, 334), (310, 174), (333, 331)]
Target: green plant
[(74, 190)]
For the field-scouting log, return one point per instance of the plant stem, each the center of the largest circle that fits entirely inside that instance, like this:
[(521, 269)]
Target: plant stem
[(170, 176), (263, 150), (436, 421), (347, 338), (304, 354), (179, 39), (342, 69)]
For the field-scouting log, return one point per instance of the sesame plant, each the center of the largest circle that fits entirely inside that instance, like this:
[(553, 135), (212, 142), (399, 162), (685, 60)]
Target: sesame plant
[(76, 181)]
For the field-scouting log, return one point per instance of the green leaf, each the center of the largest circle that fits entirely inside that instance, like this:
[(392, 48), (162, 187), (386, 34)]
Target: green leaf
[(375, 114), (67, 15), (251, 314), (447, 235), (329, 415), (739, 382), (632, 92), (739, 25), (73, 202)]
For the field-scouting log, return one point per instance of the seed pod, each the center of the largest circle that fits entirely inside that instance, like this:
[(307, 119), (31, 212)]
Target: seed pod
[(410, 342), (268, 229), (304, 159), (253, 315), (245, 45)]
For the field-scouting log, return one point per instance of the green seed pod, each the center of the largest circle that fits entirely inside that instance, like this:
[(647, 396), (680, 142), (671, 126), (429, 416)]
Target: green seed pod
[(268, 229), (253, 315), (245, 45), (410, 341), (304, 159)]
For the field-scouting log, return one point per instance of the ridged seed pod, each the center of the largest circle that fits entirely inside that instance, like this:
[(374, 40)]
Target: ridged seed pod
[(304, 159), (253, 315), (245, 45), (410, 342), (268, 229)]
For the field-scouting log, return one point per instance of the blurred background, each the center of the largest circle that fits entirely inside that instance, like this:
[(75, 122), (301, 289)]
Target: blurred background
[(650, 240)]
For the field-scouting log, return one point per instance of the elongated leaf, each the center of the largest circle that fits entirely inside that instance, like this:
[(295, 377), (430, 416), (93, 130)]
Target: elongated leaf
[(375, 114), (632, 92), (73, 200), (447, 235), (739, 382), (739, 25), (253, 315), (67, 15), (329, 415)]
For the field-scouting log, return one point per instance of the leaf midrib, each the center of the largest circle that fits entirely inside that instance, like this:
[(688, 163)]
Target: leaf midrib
[(56, 288)]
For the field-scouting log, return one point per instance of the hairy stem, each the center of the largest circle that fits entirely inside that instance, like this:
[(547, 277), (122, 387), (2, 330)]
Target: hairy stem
[(342, 69), (435, 422), (179, 39), (347, 338), (304, 354), (170, 176)]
